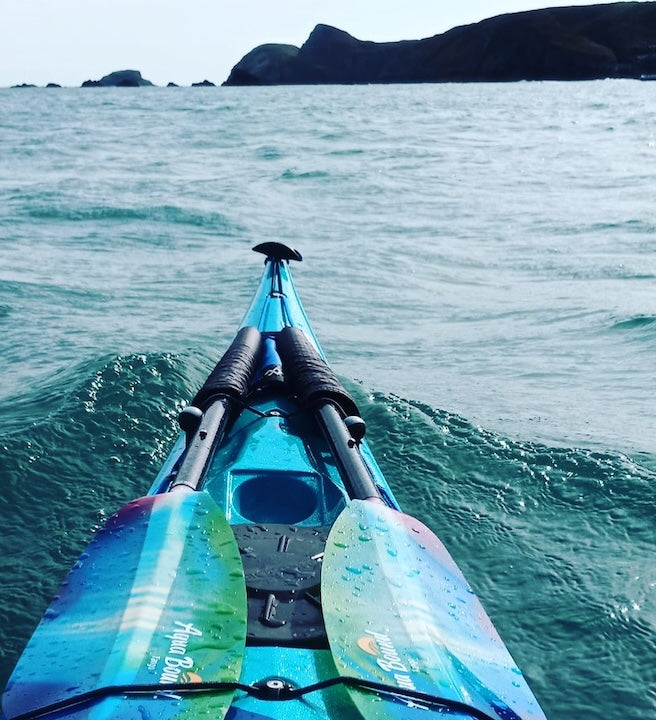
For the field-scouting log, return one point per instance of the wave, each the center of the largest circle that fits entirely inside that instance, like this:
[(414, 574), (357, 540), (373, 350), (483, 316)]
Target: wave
[(639, 331), (164, 214), (269, 152), (86, 413), (292, 174), (637, 323), (513, 475)]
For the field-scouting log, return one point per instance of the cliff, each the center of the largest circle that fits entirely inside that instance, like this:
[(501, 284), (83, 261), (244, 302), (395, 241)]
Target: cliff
[(565, 43)]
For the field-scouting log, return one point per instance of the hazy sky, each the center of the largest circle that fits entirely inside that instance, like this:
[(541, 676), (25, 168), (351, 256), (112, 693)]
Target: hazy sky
[(185, 41)]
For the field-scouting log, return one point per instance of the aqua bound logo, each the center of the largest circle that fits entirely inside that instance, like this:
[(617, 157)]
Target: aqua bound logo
[(387, 657), (177, 663)]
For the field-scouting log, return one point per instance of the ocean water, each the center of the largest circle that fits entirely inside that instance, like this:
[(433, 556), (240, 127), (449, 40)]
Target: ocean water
[(480, 266)]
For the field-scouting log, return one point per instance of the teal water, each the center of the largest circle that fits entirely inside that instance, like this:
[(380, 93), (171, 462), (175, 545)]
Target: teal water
[(480, 268)]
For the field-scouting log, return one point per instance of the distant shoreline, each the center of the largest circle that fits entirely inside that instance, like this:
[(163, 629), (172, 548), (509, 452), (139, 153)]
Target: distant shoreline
[(575, 43), (223, 86)]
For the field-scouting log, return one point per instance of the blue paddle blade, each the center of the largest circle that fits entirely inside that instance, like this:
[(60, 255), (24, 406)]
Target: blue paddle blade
[(399, 612), (157, 598)]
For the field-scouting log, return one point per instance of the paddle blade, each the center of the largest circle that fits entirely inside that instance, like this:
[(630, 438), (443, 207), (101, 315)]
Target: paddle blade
[(398, 611), (158, 597)]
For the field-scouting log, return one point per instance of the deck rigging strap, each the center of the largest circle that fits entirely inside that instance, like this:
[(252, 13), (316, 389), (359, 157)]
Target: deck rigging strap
[(262, 692)]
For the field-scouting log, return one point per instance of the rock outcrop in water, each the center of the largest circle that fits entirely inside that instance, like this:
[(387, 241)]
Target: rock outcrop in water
[(565, 43), (120, 78)]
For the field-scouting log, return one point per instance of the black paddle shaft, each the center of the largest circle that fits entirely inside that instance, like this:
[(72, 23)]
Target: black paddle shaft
[(357, 477)]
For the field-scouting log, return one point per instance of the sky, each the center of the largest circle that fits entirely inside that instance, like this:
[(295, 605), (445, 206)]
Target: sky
[(185, 41)]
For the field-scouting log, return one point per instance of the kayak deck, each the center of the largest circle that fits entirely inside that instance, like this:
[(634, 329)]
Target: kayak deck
[(274, 466)]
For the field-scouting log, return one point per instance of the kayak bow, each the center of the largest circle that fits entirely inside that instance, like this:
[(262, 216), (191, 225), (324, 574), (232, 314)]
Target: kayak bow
[(269, 572)]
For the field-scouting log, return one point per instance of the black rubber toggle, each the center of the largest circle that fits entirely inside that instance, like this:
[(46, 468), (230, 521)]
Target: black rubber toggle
[(356, 427), (190, 419)]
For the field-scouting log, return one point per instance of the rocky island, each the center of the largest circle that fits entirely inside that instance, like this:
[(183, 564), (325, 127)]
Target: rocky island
[(564, 43), (120, 78)]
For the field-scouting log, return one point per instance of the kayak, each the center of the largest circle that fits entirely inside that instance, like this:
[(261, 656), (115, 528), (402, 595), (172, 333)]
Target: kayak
[(269, 572)]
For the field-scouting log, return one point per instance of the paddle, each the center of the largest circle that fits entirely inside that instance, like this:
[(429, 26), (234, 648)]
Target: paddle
[(398, 611), (158, 597)]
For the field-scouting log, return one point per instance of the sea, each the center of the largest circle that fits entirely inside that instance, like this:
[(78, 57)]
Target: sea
[(479, 263)]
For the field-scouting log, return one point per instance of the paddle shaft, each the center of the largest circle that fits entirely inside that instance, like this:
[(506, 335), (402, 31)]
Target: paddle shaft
[(202, 445), (356, 476)]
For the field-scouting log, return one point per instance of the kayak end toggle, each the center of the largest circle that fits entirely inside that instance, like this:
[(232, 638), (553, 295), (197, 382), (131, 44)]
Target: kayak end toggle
[(278, 251)]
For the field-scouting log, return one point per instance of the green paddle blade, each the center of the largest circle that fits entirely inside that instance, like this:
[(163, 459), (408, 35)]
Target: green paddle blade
[(157, 598), (399, 612)]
